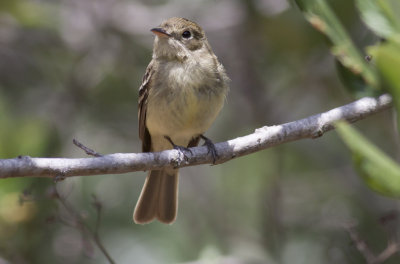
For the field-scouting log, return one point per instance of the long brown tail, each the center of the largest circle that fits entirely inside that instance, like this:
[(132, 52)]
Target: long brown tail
[(159, 198)]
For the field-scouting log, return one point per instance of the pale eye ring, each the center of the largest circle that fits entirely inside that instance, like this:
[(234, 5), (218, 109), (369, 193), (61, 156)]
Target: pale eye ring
[(186, 34)]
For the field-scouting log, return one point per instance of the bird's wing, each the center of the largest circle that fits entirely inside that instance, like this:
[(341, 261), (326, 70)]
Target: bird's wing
[(144, 134)]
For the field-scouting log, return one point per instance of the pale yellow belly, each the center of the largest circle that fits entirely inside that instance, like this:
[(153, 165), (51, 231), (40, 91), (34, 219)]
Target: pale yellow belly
[(182, 117)]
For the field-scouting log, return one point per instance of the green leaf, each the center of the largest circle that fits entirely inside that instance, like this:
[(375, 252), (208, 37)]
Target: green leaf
[(378, 170), (381, 16), (321, 17), (355, 84), (387, 61)]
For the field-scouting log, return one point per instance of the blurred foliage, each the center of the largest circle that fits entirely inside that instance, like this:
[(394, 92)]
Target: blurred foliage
[(321, 17), (387, 57), (381, 17), (71, 69), (379, 171)]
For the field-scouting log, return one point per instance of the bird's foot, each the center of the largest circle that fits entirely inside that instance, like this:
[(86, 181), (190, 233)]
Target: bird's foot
[(211, 148), (179, 148)]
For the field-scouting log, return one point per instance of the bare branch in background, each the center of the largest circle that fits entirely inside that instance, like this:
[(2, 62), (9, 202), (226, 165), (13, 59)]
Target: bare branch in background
[(392, 247), (73, 218), (78, 222), (263, 138), (361, 245)]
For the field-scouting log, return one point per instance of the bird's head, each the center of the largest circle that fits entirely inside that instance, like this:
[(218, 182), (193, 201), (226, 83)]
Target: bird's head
[(176, 38)]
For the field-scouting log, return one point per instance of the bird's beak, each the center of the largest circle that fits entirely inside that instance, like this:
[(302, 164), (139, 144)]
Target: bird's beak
[(160, 32)]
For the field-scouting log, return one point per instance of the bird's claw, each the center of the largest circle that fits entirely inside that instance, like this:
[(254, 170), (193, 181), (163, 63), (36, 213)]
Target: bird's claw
[(181, 149), (211, 148)]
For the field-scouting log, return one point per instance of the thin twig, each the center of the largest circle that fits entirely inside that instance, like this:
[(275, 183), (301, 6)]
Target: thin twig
[(263, 138), (361, 245), (370, 258), (389, 251), (87, 150), (81, 225), (98, 206), (98, 242)]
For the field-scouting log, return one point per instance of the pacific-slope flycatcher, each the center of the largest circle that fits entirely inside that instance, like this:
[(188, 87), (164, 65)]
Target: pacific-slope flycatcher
[(182, 92)]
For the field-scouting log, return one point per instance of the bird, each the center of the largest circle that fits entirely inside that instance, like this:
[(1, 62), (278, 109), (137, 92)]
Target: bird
[(182, 92)]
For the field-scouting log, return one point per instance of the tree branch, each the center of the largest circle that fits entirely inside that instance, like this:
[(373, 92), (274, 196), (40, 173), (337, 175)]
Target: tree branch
[(265, 137), (392, 248), (80, 224)]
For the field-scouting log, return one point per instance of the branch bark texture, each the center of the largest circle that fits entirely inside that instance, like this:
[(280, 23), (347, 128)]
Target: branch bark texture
[(265, 137)]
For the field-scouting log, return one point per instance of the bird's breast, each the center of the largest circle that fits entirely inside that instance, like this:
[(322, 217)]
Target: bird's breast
[(184, 99)]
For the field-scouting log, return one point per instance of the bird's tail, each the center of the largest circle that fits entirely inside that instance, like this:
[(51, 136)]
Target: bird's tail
[(159, 198)]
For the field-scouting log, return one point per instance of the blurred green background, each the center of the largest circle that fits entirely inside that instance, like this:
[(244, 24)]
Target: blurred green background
[(71, 69)]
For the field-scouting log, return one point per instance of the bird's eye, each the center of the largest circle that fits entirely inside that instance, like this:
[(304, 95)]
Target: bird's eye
[(186, 34)]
